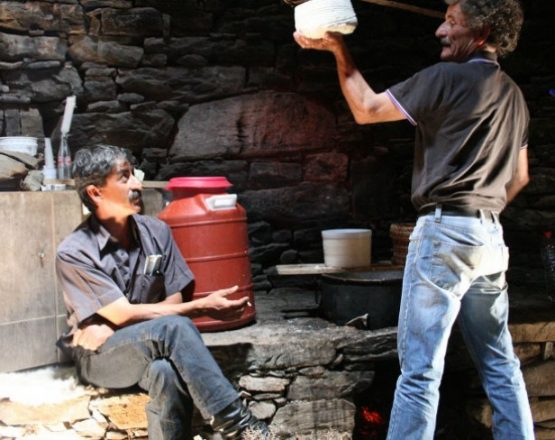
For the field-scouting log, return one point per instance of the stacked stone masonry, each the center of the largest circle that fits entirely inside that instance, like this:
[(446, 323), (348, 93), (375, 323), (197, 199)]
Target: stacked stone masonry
[(220, 88)]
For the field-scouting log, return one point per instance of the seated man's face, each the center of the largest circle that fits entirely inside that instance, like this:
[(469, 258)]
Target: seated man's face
[(121, 194)]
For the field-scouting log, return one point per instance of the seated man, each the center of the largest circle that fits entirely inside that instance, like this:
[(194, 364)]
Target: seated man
[(128, 324)]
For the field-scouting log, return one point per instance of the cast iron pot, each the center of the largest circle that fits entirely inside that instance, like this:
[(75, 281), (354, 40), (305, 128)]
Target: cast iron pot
[(347, 295)]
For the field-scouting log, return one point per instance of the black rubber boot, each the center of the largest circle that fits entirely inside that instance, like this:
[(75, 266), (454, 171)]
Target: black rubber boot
[(235, 419)]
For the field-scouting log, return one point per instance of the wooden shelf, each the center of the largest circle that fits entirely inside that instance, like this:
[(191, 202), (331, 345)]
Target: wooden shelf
[(153, 184)]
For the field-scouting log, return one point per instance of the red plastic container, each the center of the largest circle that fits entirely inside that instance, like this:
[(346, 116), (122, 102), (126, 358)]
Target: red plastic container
[(210, 229)]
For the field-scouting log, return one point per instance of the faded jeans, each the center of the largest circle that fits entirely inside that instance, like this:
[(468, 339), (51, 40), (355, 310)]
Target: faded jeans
[(455, 270), (168, 358)]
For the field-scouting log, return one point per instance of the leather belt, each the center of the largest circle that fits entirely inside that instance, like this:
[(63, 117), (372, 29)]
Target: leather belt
[(458, 211)]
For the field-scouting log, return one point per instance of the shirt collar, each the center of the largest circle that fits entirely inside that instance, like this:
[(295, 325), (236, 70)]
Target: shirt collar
[(484, 57), (103, 236)]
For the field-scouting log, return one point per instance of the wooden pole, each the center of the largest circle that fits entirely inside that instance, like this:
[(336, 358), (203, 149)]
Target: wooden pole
[(405, 7)]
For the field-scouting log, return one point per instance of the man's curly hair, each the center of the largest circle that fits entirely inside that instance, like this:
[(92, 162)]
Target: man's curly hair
[(503, 18)]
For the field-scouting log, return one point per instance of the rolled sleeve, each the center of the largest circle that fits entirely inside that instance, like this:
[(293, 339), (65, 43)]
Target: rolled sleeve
[(86, 289), (420, 95)]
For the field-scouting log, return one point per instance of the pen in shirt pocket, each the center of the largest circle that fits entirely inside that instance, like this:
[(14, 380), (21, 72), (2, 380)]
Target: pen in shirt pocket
[(152, 264)]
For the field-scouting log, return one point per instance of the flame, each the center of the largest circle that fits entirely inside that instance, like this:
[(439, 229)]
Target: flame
[(371, 416)]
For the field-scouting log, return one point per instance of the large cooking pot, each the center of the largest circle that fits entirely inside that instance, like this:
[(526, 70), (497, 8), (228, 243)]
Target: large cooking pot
[(348, 295)]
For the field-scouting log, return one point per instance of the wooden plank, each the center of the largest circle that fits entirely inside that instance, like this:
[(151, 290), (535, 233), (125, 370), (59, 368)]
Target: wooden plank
[(155, 184), (410, 8), (321, 268), (306, 269), (31, 226), (27, 265)]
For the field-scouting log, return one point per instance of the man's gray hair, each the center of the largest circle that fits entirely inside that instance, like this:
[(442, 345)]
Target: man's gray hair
[(503, 19), (91, 166)]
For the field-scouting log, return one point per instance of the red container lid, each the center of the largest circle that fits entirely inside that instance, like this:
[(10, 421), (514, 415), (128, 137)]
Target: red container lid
[(198, 183)]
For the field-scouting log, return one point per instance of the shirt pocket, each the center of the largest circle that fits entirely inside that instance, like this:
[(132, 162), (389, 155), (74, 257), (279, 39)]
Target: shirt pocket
[(152, 288)]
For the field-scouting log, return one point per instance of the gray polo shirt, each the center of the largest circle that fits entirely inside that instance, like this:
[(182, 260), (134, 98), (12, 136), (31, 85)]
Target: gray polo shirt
[(94, 270), (471, 121)]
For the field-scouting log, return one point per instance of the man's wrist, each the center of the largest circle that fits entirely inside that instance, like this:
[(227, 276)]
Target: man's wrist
[(195, 308)]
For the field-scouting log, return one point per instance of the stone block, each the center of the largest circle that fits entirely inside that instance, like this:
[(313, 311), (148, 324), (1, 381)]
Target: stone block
[(106, 106), (527, 353), (105, 52), (540, 331), (332, 384), (304, 202), (301, 417), (13, 413), (540, 378), (187, 85), (299, 353), (19, 47), (234, 170), (100, 89), (46, 16), (263, 384), (263, 410), (31, 123), (134, 22), (274, 173), (132, 130), (11, 169), (544, 434), (249, 125), (12, 121), (326, 167), (126, 411), (542, 410)]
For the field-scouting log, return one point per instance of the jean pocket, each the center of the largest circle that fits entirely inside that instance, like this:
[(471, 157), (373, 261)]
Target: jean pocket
[(496, 260), (455, 266)]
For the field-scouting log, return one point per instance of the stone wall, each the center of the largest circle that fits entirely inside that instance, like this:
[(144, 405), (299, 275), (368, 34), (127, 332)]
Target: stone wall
[(219, 88)]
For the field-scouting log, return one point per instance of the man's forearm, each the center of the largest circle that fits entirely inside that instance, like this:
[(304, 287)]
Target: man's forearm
[(122, 313), (355, 89), (514, 188), (521, 177)]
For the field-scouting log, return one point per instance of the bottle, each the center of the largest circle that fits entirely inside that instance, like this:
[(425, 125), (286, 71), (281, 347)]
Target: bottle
[(548, 258), (49, 169), (64, 159)]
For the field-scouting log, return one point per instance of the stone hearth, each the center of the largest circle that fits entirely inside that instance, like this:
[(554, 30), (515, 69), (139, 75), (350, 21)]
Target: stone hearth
[(306, 375)]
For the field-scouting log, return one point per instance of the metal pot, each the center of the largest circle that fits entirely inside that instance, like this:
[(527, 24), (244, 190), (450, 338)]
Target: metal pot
[(348, 295)]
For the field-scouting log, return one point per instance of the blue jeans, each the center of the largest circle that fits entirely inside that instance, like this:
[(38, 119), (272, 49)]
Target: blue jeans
[(168, 358), (455, 270)]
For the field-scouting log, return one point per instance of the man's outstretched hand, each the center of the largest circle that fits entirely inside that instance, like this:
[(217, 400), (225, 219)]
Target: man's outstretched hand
[(217, 305)]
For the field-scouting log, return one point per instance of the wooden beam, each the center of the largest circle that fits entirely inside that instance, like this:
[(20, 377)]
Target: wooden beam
[(405, 7), (155, 184)]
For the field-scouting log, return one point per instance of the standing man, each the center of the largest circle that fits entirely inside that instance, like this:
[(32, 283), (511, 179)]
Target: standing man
[(470, 160), (123, 279)]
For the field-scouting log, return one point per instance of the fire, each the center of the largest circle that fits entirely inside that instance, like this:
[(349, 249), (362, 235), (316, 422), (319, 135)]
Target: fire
[(371, 416)]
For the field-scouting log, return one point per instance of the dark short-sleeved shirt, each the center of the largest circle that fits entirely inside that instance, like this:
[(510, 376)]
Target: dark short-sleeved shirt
[(471, 121), (94, 270)]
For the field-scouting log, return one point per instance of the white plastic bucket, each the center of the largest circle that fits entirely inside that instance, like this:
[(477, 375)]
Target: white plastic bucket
[(316, 17), (347, 247), (19, 144)]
